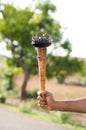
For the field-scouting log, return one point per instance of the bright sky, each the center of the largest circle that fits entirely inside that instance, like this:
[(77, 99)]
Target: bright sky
[(71, 15)]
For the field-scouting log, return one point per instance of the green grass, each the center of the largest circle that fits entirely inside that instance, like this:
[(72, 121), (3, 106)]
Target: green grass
[(46, 116), (74, 127)]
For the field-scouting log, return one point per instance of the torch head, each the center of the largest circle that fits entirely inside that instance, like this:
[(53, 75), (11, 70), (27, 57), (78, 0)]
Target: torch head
[(41, 41)]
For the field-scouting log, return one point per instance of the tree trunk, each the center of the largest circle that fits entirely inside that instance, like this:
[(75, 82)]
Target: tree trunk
[(24, 85)]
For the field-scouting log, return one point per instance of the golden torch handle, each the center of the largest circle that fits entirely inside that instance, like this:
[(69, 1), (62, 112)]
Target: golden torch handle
[(41, 54)]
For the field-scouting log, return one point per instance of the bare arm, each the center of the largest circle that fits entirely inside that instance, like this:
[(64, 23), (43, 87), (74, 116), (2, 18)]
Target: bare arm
[(75, 105), (45, 99)]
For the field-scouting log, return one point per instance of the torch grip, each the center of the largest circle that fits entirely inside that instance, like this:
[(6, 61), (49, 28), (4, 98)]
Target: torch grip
[(41, 54)]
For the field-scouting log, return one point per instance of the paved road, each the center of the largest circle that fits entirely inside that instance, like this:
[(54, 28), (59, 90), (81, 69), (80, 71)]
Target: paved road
[(17, 121)]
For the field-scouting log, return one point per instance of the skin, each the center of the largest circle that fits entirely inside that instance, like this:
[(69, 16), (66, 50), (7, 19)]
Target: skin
[(47, 102)]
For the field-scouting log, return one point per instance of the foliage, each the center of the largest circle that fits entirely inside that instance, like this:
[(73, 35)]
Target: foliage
[(2, 98), (32, 94), (61, 67), (27, 107), (60, 117), (17, 28), (67, 46), (84, 69), (9, 81), (23, 107), (65, 117), (55, 117)]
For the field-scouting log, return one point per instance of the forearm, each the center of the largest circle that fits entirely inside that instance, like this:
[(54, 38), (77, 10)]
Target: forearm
[(75, 105)]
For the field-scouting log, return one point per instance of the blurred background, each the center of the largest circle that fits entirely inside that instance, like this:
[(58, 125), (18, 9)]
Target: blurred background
[(64, 22)]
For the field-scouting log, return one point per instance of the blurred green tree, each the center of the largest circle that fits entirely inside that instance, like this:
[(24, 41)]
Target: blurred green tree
[(17, 26), (61, 67), (16, 32)]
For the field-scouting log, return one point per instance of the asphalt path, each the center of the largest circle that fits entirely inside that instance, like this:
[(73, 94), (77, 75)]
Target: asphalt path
[(10, 120)]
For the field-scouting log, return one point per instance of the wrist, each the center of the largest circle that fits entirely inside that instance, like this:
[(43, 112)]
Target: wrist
[(59, 106), (53, 106)]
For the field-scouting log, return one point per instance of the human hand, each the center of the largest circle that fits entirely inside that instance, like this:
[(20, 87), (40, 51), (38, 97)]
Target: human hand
[(45, 100)]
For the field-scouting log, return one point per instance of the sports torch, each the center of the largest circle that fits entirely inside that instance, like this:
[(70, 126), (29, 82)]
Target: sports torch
[(41, 42)]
